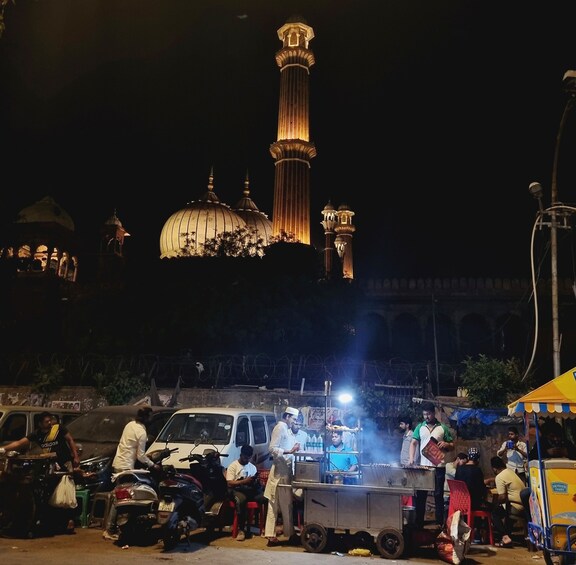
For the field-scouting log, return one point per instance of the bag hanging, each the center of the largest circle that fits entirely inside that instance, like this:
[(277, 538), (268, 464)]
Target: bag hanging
[(64, 495)]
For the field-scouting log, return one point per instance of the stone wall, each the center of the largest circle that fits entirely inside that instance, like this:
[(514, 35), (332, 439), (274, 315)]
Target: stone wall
[(380, 446)]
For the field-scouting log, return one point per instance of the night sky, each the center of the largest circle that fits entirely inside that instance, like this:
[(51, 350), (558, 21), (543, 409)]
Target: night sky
[(430, 119)]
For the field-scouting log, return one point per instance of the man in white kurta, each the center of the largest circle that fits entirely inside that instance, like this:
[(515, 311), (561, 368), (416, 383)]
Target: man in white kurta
[(282, 448)]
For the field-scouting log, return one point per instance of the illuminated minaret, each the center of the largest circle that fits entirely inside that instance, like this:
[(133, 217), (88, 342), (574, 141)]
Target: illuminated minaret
[(343, 242), (329, 223), (293, 150)]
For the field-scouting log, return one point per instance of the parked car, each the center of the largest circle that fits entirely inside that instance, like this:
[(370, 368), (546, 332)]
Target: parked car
[(18, 421), (227, 429), (97, 434)]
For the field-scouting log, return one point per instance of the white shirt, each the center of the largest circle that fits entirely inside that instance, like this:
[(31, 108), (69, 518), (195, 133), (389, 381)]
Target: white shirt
[(300, 437), (132, 447), (237, 471), (282, 440), (514, 459)]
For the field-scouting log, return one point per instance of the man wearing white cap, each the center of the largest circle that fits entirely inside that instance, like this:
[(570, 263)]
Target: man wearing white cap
[(282, 448)]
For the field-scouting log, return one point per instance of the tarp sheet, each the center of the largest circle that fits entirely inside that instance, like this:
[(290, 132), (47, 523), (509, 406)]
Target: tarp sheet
[(462, 415)]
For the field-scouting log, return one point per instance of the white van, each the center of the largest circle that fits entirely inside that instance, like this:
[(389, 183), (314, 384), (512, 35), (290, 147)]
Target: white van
[(226, 429)]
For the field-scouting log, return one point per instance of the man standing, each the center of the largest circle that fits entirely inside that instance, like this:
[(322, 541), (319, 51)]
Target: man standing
[(300, 436), (516, 453), (432, 440), (50, 437), (405, 425), (282, 448), (242, 479), (340, 459), (131, 449)]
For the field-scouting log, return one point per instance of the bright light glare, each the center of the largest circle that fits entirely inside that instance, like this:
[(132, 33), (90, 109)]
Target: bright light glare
[(345, 398)]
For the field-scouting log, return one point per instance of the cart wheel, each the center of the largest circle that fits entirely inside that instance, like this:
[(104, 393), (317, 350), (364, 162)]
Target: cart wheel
[(390, 543), (314, 538)]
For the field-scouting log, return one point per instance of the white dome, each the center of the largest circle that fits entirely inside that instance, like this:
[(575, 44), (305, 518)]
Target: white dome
[(45, 210), (254, 218), (199, 221)]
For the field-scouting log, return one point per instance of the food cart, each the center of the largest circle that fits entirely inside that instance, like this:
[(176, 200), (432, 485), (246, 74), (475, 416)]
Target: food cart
[(552, 481), (368, 510)]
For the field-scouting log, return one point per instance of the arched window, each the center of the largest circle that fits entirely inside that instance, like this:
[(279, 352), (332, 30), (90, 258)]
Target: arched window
[(40, 258)]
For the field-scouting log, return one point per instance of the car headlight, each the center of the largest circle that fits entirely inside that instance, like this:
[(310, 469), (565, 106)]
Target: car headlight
[(96, 465)]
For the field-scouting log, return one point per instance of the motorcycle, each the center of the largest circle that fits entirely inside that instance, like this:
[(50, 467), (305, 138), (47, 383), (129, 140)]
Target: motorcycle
[(136, 501), (192, 500), (26, 483)]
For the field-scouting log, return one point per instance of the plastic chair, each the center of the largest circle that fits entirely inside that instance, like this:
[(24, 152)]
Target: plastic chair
[(460, 500)]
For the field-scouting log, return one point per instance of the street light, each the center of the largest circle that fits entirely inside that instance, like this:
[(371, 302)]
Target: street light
[(555, 211)]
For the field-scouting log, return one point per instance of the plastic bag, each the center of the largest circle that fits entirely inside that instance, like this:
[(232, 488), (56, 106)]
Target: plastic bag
[(64, 495), (453, 545)]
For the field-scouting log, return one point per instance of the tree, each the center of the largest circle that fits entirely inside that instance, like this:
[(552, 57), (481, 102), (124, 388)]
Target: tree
[(493, 383)]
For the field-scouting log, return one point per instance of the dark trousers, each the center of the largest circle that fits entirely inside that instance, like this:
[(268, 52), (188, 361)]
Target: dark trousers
[(422, 495), (240, 499)]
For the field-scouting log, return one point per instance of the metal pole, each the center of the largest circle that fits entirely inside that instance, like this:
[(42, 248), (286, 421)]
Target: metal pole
[(554, 244), (435, 345)]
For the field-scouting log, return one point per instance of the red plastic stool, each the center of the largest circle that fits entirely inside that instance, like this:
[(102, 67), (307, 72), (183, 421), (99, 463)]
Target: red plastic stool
[(251, 509)]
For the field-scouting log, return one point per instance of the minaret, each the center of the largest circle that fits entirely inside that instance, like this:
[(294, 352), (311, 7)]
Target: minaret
[(111, 261), (344, 230), (328, 223), (293, 149)]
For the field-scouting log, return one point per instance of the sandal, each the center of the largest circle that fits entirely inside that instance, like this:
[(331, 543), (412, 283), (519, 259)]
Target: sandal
[(272, 542), (502, 544)]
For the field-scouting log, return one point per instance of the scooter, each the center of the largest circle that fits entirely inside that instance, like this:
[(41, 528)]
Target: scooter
[(193, 500), (136, 501)]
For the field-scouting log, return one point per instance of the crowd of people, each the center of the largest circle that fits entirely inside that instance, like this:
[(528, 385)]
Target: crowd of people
[(504, 494)]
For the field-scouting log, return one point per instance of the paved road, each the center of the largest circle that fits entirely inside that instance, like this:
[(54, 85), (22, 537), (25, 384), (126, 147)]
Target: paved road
[(87, 547)]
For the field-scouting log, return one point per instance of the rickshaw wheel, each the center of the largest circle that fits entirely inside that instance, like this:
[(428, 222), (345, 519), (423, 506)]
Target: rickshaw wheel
[(390, 543), (569, 558), (547, 557), (314, 538)]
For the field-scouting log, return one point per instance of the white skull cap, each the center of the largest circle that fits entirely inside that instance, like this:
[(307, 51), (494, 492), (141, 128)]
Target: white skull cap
[(293, 411)]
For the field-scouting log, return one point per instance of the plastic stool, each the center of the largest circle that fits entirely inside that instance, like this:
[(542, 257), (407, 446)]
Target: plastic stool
[(100, 509), (251, 509), (83, 500)]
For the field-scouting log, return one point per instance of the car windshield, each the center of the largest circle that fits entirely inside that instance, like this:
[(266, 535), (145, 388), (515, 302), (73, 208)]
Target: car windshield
[(205, 428), (99, 426)]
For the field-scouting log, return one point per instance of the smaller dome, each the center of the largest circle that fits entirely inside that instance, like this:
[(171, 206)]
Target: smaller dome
[(45, 210)]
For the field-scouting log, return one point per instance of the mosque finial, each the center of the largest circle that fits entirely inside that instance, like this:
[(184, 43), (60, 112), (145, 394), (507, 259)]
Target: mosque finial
[(246, 185), (211, 179)]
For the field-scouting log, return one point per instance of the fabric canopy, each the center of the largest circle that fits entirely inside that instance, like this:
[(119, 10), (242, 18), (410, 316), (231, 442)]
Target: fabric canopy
[(556, 397)]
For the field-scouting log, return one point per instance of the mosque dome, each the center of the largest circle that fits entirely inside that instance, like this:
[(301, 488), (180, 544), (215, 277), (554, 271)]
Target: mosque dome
[(255, 219), (186, 231), (45, 210)]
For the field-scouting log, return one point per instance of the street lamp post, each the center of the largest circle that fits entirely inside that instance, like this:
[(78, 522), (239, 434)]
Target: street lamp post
[(556, 209)]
